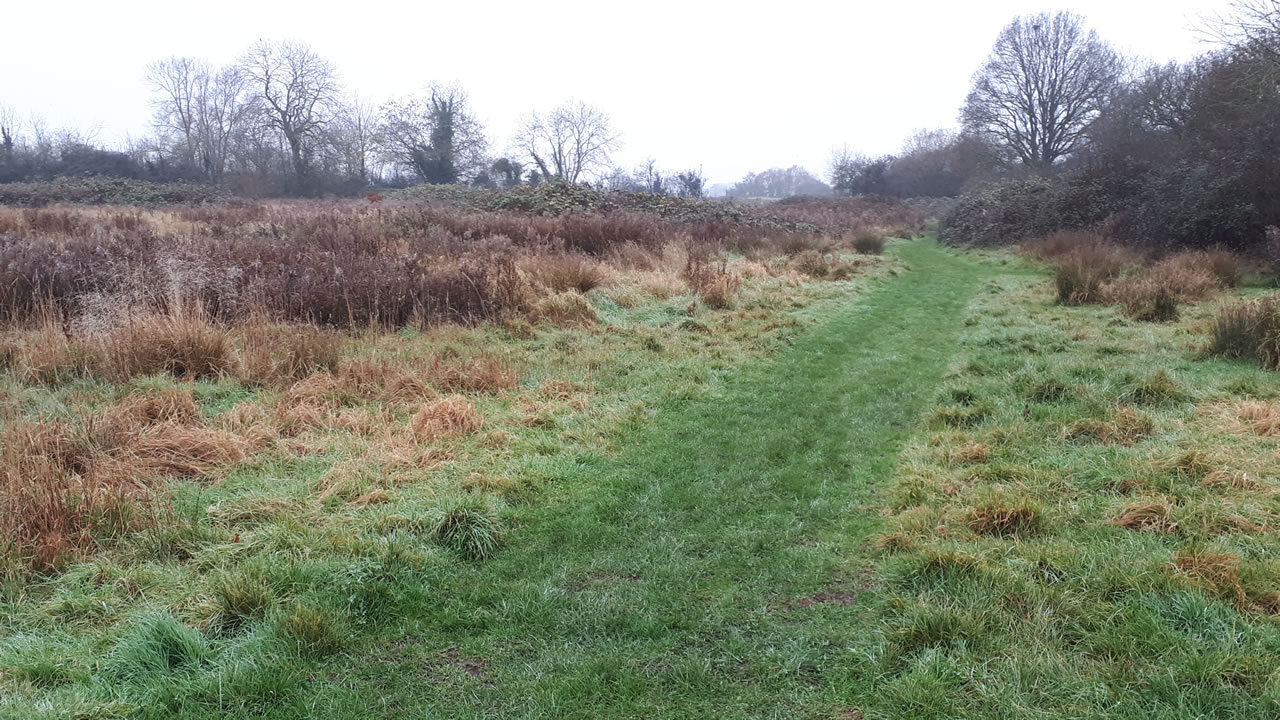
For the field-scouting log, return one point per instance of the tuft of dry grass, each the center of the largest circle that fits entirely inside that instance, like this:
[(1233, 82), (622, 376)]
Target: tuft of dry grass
[(970, 453), (380, 381), (176, 406), (182, 343), (1126, 427), (1151, 516), (1001, 516), (566, 309), (483, 375), (277, 354), (720, 293), (1230, 479), (1082, 273), (1248, 330), (1217, 572), (562, 273), (1262, 418), (1143, 298), (445, 418), (169, 449)]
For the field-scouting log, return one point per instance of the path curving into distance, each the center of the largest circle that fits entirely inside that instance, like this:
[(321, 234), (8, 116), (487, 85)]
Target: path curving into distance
[(717, 568)]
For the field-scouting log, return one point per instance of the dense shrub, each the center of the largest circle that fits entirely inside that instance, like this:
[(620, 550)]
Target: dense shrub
[(1174, 207), (106, 191)]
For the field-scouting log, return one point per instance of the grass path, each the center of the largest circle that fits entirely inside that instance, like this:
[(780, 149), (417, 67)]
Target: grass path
[(716, 568)]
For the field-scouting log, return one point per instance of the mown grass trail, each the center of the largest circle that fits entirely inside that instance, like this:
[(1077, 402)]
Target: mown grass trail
[(716, 568)]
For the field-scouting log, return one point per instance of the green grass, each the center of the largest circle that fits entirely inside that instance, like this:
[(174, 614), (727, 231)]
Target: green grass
[(716, 567), (946, 496)]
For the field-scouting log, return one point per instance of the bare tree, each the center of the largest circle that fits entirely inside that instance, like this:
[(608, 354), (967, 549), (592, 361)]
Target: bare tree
[(568, 142), (436, 136), (176, 83), (1042, 87), (222, 112), (651, 177), (298, 91), (1252, 27), (352, 135)]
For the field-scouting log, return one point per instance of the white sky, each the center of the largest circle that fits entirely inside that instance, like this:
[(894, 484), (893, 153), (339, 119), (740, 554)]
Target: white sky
[(730, 87)]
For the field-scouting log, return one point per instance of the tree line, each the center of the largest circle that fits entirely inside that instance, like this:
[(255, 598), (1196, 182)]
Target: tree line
[(279, 121), (1061, 130), (1053, 103)]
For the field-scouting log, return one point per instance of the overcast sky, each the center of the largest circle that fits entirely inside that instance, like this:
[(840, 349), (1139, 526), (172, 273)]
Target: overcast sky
[(729, 87)]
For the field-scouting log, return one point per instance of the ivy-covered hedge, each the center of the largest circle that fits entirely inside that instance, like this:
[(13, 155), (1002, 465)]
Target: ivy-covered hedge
[(106, 191)]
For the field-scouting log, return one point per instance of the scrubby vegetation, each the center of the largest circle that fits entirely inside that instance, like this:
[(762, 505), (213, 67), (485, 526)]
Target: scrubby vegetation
[(237, 433), (1098, 540)]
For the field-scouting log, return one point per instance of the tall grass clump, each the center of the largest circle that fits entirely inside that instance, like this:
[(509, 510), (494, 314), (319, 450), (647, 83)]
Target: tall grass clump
[(158, 644), (715, 286), (467, 525), (1082, 272), (1248, 330), (869, 243), (182, 343)]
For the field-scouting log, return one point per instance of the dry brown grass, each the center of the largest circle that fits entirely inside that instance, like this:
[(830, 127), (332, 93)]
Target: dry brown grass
[(1062, 243), (968, 454), (482, 374), (445, 418), (1143, 298), (566, 309), (63, 484), (1126, 427), (1230, 479), (46, 355), (168, 449), (561, 273), (170, 405), (1082, 272), (1261, 418), (384, 382), (1003, 517), (1217, 572), (277, 354), (183, 344), (1195, 275), (1151, 516), (720, 292)]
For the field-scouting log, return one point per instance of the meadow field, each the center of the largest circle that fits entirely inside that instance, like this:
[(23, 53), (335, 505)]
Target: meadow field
[(564, 453)]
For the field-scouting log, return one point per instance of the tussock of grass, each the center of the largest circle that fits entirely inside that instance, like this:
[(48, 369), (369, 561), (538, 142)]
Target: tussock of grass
[(445, 418), (182, 343), (240, 599), (963, 416), (468, 526), (869, 243), (279, 354), (1003, 516), (1156, 389), (1262, 418), (158, 644), (1248, 330), (1126, 427), (1083, 271), (566, 309), (1153, 516), (310, 630), (486, 375), (562, 273)]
